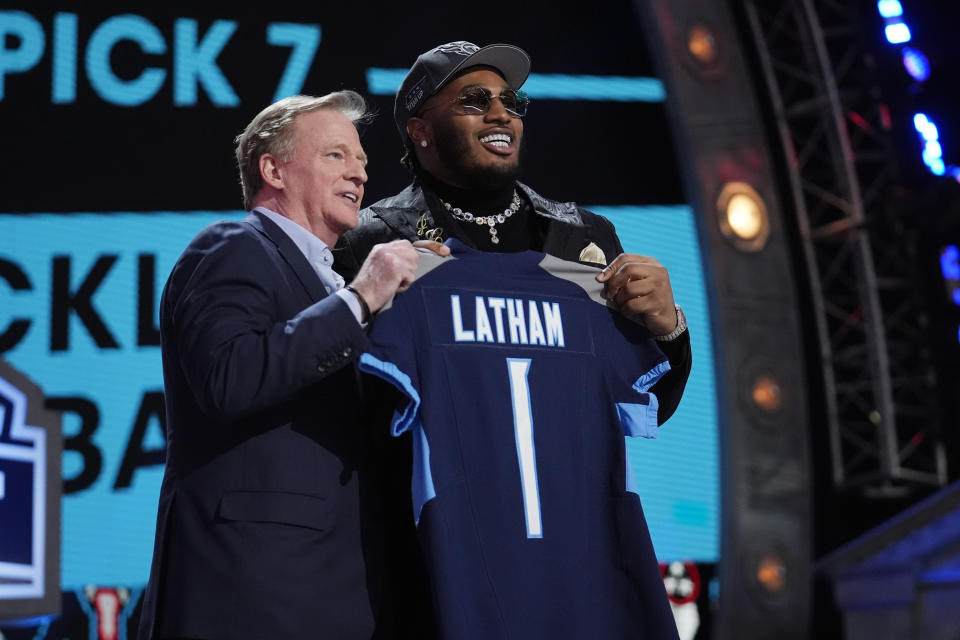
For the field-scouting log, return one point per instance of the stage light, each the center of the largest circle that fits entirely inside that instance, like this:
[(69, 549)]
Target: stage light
[(950, 262), (772, 573), (933, 157), (743, 216), (916, 64), (766, 393), (897, 33), (702, 44), (950, 267), (890, 8), (932, 150), (925, 127)]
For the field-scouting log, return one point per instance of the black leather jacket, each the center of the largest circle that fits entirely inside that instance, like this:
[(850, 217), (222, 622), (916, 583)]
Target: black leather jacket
[(568, 231)]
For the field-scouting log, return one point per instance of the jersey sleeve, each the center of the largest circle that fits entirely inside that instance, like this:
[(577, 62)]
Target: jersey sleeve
[(392, 357), (637, 365), (631, 361)]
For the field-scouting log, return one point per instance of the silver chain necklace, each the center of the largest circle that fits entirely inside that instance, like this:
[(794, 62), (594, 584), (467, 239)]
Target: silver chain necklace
[(491, 221)]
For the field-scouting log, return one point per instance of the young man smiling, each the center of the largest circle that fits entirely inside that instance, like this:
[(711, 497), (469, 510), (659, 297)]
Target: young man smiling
[(459, 112)]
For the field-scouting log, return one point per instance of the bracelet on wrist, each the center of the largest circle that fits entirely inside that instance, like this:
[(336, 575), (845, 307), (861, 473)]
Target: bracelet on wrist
[(364, 307), (680, 328)]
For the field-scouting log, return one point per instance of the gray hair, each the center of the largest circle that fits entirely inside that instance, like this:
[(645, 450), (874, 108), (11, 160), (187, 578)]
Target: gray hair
[(271, 131)]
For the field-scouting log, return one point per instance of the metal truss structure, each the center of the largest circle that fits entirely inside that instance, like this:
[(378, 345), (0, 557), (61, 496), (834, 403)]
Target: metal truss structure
[(879, 382)]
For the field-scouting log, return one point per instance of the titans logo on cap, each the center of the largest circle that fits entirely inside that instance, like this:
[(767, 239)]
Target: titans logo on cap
[(460, 47)]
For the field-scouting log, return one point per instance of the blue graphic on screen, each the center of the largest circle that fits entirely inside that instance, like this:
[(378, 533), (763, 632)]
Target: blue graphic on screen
[(555, 86), (678, 474), (304, 40), (23, 492), (195, 50), (108, 530), (97, 62), (64, 58), (107, 535)]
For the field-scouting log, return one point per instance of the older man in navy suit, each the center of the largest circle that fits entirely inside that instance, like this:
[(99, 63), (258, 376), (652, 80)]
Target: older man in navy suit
[(268, 523)]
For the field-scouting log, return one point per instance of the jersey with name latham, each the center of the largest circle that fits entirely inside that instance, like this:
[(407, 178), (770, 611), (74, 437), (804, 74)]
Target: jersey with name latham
[(520, 384)]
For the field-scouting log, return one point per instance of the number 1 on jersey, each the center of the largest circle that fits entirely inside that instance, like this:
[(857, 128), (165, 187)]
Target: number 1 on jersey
[(518, 370)]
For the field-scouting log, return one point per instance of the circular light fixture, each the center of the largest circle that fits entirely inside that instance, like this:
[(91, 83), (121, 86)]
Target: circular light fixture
[(766, 393), (764, 390), (771, 573), (702, 44), (743, 216)]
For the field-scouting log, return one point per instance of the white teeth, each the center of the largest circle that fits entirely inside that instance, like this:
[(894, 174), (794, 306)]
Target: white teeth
[(497, 140), (352, 197)]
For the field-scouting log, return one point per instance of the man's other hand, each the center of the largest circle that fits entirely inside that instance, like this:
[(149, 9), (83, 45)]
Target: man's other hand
[(640, 287)]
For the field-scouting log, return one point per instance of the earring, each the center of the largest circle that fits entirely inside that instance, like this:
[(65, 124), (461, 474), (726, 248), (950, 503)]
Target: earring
[(424, 143)]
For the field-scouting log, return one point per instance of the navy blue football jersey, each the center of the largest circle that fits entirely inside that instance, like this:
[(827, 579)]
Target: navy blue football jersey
[(520, 384)]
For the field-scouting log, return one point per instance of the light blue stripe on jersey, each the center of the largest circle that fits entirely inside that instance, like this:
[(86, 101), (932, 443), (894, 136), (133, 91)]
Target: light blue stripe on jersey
[(405, 420), (641, 419), (422, 482), (650, 378)]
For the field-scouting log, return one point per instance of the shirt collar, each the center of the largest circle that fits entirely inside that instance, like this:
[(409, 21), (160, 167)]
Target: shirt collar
[(313, 248)]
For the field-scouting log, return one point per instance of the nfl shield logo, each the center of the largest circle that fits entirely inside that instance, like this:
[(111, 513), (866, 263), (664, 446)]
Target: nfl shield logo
[(23, 492)]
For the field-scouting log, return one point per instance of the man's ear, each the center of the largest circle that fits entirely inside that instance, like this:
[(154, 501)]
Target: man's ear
[(419, 129), (270, 171)]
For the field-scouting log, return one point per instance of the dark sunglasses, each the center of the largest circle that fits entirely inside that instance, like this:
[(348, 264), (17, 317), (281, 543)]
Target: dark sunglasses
[(479, 100)]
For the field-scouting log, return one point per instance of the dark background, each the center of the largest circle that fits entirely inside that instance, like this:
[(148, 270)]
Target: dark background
[(928, 206), (91, 155), (95, 156)]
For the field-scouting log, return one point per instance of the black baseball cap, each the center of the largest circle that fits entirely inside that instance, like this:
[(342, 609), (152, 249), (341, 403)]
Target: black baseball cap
[(437, 67)]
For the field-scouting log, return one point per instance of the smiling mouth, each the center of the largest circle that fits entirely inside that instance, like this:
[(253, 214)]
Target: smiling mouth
[(352, 197), (497, 140)]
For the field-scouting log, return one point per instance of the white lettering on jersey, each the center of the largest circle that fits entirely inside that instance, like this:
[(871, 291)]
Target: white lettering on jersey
[(525, 322)]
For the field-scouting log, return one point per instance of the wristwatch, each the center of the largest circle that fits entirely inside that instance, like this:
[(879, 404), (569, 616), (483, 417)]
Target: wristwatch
[(681, 327)]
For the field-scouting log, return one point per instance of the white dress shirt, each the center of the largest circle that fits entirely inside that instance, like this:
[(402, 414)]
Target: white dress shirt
[(319, 256)]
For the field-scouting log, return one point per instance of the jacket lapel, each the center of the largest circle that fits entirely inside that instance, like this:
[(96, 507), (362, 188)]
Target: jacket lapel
[(394, 212), (290, 253)]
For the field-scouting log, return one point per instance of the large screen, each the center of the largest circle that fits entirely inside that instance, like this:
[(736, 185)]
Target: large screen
[(118, 145)]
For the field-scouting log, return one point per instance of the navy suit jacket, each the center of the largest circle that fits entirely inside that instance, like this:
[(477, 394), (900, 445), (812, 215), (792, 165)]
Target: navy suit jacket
[(269, 522)]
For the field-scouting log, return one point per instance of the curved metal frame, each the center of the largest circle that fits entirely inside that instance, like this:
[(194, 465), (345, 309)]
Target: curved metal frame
[(872, 448)]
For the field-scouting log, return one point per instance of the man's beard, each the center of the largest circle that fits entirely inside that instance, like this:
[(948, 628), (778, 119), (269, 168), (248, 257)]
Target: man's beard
[(453, 149)]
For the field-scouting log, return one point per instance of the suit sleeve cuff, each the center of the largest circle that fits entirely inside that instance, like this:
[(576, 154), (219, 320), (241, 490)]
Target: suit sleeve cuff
[(353, 304)]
